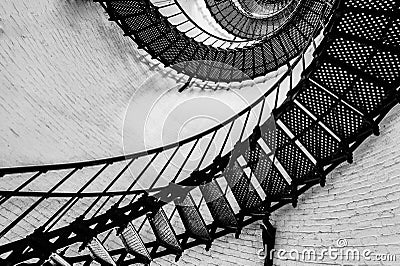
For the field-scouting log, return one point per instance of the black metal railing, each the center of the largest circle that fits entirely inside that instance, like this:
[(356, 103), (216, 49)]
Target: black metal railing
[(153, 28), (236, 125), (287, 151)]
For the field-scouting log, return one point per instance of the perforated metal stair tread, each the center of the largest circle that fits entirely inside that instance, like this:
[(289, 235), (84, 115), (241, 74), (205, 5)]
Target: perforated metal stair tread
[(154, 33), (220, 209), (244, 192), (163, 231), (133, 243), (192, 219)]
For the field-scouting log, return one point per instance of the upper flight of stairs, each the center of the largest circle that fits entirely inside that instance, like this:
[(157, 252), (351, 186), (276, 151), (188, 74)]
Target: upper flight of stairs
[(216, 60), (351, 84), (237, 19), (262, 8)]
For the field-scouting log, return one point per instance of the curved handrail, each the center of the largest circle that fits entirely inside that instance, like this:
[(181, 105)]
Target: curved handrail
[(272, 49), (110, 160)]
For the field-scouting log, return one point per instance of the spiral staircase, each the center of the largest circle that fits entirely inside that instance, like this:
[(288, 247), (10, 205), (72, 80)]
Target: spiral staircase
[(239, 19), (336, 103)]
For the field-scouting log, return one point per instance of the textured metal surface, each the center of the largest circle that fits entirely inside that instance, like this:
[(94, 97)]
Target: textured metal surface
[(154, 33)]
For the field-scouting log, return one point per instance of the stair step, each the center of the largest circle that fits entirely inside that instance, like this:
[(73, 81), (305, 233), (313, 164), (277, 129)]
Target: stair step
[(163, 231), (295, 163), (220, 209), (243, 190), (56, 259), (270, 178), (342, 120), (321, 144), (99, 253), (133, 243), (192, 219)]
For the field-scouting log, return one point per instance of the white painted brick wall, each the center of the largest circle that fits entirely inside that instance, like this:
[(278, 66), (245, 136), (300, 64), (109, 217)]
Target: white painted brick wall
[(66, 75)]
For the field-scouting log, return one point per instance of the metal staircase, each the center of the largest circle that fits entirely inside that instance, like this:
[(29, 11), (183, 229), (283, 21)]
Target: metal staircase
[(262, 8), (168, 34), (337, 102), (240, 19)]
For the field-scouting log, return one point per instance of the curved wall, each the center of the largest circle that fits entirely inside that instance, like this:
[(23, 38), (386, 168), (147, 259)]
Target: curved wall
[(67, 75)]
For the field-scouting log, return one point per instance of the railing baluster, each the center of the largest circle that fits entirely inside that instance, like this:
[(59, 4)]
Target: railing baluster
[(105, 190), (71, 200), (5, 198), (226, 138), (207, 148), (261, 111), (245, 124), (185, 161), (277, 96), (33, 206), (138, 178)]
